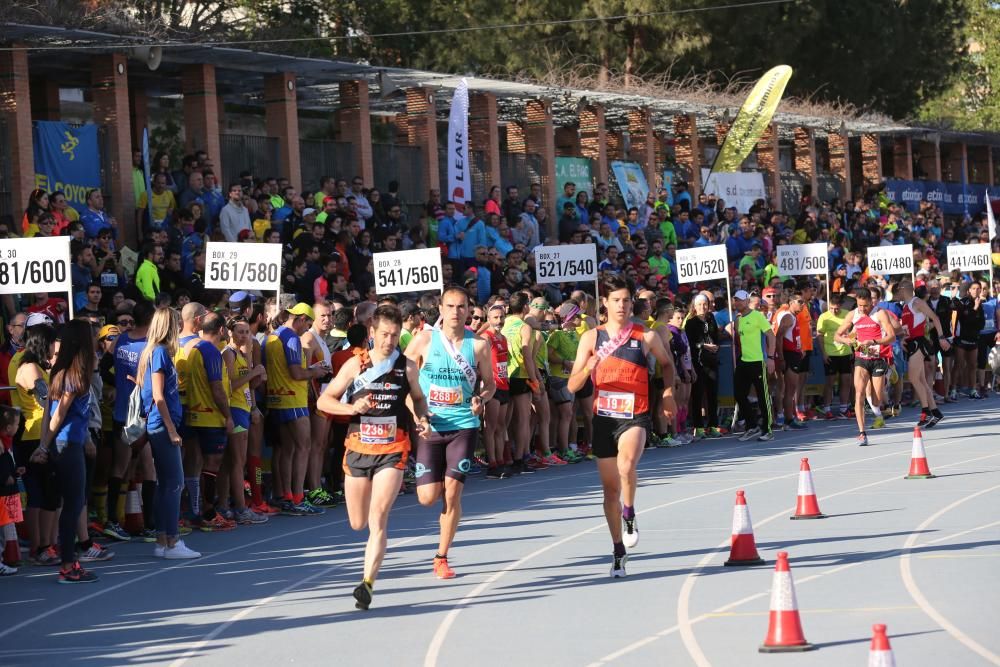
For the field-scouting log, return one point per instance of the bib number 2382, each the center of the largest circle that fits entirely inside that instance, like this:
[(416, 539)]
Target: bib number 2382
[(618, 405), (378, 430)]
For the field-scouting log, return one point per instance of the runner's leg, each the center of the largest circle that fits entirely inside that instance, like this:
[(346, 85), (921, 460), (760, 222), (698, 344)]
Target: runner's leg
[(358, 494), (861, 380), (384, 490), (611, 483), (630, 446)]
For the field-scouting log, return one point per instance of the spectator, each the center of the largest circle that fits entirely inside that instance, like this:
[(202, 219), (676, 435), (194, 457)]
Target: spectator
[(363, 206), (95, 219), (147, 276), (234, 216)]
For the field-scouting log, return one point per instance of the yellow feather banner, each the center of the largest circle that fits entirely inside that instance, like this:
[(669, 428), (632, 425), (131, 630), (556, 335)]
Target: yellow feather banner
[(752, 120)]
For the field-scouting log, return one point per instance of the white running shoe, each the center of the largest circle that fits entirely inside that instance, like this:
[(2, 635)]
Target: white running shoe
[(159, 550), (180, 552), (630, 532), (618, 566)]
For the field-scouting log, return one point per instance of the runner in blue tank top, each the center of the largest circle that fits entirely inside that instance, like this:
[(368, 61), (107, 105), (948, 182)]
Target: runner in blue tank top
[(456, 376)]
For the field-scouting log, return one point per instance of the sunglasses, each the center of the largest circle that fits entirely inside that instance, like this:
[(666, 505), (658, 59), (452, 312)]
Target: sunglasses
[(126, 323), (477, 317), (111, 338)]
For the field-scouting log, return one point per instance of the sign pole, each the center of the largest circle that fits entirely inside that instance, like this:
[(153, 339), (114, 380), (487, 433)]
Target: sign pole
[(72, 314), (729, 307)]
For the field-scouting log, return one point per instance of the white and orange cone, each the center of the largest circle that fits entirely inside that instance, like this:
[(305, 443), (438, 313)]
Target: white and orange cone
[(918, 459), (133, 510), (743, 550), (784, 630), (806, 506), (880, 654)]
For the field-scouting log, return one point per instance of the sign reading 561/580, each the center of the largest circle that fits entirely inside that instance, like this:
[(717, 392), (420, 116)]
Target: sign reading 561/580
[(252, 266), (35, 265)]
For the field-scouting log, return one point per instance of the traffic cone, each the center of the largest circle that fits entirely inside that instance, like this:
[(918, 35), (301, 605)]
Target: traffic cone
[(744, 549), (880, 654), (784, 630), (806, 507), (918, 459), (11, 549), (133, 510)]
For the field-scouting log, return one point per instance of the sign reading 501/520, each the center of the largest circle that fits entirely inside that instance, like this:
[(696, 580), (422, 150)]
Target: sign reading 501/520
[(35, 265), (248, 266)]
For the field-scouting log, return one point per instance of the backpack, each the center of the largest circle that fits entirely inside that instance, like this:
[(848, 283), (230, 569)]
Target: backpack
[(135, 420)]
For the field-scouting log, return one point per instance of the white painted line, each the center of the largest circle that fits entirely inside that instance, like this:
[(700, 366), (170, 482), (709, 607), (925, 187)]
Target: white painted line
[(954, 535)]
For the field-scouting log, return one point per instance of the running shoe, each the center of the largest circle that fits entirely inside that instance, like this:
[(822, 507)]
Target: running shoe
[(305, 508), (672, 442), (182, 529), (442, 569), (685, 438), (975, 395), (494, 473), (862, 439), (510, 470), (227, 514), (95, 528), (897, 410), (844, 414), (321, 498), (76, 575), (158, 551), (553, 460), (288, 508), (750, 434), (630, 532), (801, 416), (828, 415), (409, 476), (849, 412), (96, 553), (7, 570), (572, 456), (796, 425), (879, 422), (766, 437), (180, 551), (812, 413), (522, 466), (148, 535), (924, 420), (247, 517), (363, 596), (265, 509), (535, 464), (113, 530), (713, 433), (217, 524), (48, 557), (618, 566), (934, 419)]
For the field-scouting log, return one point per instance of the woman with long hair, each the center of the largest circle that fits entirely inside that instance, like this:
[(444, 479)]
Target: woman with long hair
[(703, 336), (157, 376), (64, 436), (29, 370), (38, 203), (492, 203), (161, 165)]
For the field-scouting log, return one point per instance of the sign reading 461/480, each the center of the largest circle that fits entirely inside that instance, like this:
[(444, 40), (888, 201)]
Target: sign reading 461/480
[(35, 265)]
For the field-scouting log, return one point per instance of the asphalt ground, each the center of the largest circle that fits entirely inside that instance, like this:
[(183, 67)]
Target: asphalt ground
[(533, 558)]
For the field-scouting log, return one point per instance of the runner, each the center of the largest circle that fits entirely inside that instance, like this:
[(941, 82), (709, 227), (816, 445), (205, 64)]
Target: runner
[(751, 368), (192, 316), (372, 389), (837, 361), (788, 329), (524, 380), (868, 331), (495, 421), (317, 354), (616, 356), (916, 314), (987, 339), (969, 322), (457, 379), (562, 345)]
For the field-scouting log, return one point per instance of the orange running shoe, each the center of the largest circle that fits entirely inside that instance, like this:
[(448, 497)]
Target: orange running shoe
[(264, 508), (217, 523), (441, 568)]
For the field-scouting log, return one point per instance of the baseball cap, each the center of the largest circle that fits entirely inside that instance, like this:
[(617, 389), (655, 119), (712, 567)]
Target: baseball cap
[(302, 309), (308, 211), (568, 311), (767, 291), (37, 318), (239, 297), (741, 295), (108, 330), (540, 304)]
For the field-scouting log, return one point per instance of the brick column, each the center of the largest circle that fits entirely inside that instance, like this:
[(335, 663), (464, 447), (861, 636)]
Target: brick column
[(282, 121), (484, 134), (110, 92), (45, 100), (902, 158), (767, 159), (201, 114), (840, 161), (594, 139), (688, 151), (871, 158), (936, 159), (15, 105), (422, 129), (138, 108), (963, 163), (616, 146), (539, 135), (640, 128), (516, 142), (804, 152), (355, 125)]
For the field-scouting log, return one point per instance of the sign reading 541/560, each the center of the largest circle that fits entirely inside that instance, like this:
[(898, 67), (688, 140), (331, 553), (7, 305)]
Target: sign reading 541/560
[(248, 266), (705, 263), (407, 271), (35, 265), (566, 263)]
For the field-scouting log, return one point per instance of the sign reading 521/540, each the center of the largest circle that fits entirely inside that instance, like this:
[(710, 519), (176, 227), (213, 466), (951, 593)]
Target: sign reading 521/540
[(566, 263), (407, 271), (35, 265), (705, 263), (248, 266)]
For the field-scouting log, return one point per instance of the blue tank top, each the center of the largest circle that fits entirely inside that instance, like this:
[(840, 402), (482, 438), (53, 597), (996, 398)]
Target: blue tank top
[(989, 313), (448, 392), (74, 427), (127, 352)]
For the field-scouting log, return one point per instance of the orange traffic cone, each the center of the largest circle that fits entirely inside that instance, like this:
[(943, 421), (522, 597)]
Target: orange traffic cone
[(880, 654), (784, 631), (806, 507), (918, 459), (744, 549), (133, 510)]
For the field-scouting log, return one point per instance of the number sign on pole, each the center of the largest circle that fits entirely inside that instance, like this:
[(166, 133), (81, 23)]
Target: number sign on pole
[(969, 257), (566, 263), (36, 265), (705, 263), (891, 260), (805, 259), (408, 271), (248, 266)]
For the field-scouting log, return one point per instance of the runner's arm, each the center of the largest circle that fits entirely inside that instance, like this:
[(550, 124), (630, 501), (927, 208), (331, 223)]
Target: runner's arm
[(418, 401), (329, 400), (585, 362), (782, 328), (664, 357), (887, 327), (933, 318), (842, 331), (415, 348), (484, 364), (528, 352)]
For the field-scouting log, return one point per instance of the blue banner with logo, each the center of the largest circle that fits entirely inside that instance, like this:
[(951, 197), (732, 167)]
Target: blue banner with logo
[(953, 198), (67, 159)]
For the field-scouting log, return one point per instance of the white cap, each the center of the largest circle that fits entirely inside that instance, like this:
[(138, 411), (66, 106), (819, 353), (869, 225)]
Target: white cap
[(741, 295)]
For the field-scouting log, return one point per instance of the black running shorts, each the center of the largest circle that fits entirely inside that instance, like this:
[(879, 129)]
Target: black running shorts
[(607, 431), (445, 454)]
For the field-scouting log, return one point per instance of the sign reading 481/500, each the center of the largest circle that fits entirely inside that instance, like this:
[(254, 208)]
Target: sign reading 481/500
[(35, 265), (248, 266)]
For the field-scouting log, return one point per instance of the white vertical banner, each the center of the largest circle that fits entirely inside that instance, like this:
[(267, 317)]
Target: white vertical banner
[(459, 173), (990, 219)]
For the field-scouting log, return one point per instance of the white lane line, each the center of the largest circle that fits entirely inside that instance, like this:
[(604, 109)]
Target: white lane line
[(434, 648), (918, 596), (246, 611), (953, 536)]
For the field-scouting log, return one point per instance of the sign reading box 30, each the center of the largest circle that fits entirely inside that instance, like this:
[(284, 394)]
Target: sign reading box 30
[(247, 266), (35, 265)]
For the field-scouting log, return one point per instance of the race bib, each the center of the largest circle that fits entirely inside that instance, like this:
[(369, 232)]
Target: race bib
[(109, 280), (246, 395), (377, 430), (444, 397), (501, 367), (618, 405)]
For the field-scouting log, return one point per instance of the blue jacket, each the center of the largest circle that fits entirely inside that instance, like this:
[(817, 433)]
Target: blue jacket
[(475, 236), (447, 229), (494, 240)]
